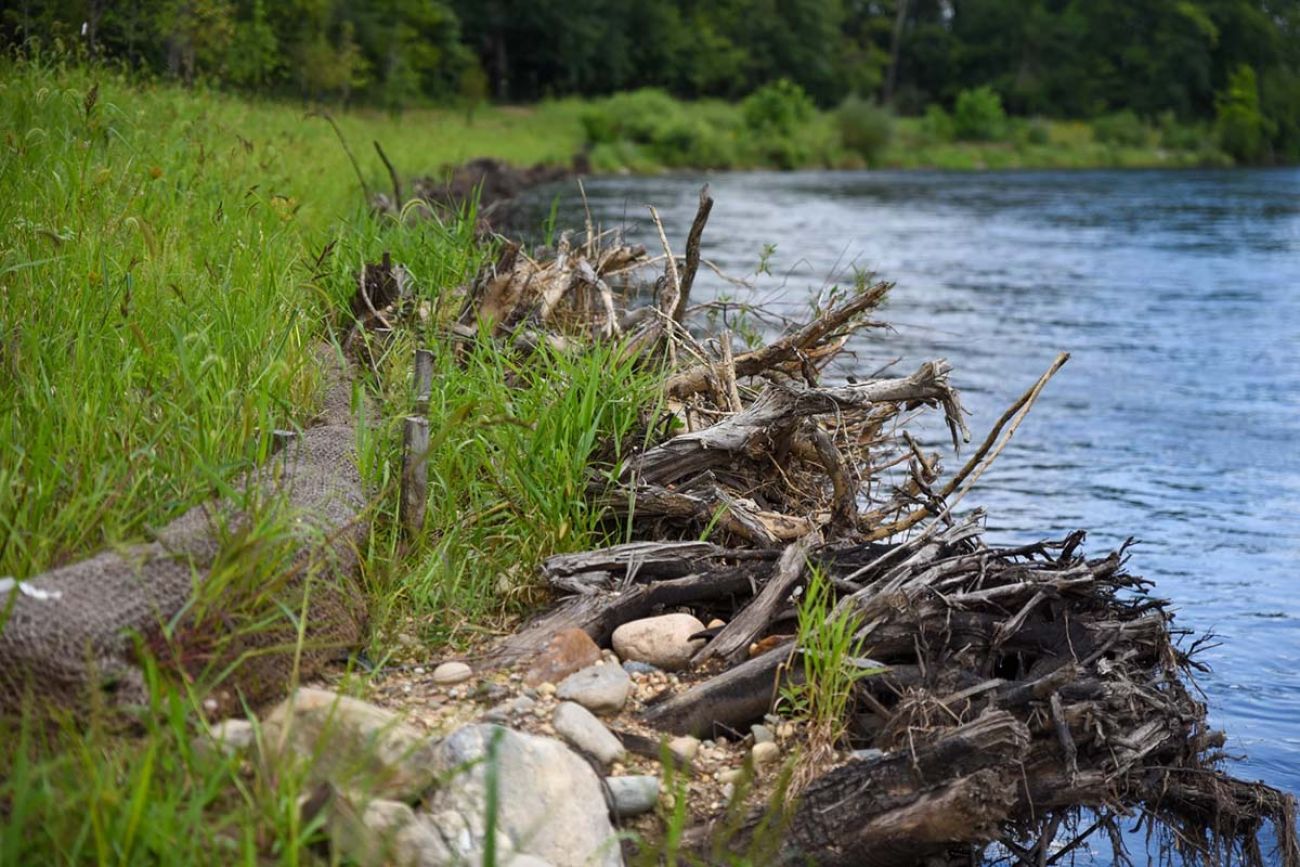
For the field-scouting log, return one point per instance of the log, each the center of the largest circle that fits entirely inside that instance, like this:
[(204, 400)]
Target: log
[(730, 701)]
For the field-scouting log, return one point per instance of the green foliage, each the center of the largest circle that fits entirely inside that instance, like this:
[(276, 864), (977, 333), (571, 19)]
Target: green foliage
[(865, 128), (978, 115), (1242, 129), (781, 108), (832, 662), (938, 124), (778, 115), (1122, 128)]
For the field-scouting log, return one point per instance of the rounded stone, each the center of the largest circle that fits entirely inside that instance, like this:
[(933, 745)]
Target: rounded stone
[(452, 672), (663, 641), (765, 753), (598, 688), (633, 795)]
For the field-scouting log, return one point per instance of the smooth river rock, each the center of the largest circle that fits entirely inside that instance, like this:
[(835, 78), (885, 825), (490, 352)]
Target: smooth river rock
[(600, 688), (350, 743), (662, 641), (569, 650), (551, 805), (450, 673), (633, 795), (579, 727)]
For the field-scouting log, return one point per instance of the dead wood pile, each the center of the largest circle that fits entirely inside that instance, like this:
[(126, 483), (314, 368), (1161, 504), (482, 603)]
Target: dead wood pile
[(1021, 686)]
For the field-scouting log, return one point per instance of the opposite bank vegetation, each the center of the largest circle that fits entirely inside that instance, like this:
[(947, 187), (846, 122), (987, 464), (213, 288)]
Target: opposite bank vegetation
[(173, 263)]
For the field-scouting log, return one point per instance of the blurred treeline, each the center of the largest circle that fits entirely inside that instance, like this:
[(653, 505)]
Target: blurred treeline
[(1194, 59)]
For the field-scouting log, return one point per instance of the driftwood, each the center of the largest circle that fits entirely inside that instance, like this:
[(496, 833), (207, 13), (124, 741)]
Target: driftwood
[(1016, 686)]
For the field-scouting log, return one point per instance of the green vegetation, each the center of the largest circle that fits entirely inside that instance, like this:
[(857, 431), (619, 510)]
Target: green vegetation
[(778, 127), (832, 664), (171, 259), (1056, 59)]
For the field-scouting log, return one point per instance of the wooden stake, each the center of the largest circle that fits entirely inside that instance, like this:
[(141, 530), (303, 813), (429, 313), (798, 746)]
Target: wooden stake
[(415, 472), (423, 381)]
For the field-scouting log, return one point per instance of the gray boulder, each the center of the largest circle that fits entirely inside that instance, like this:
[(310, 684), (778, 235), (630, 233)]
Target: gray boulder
[(550, 804)]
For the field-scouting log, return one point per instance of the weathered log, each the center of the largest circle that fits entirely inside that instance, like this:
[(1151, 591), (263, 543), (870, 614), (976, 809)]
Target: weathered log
[(733, 641), (730, 701)]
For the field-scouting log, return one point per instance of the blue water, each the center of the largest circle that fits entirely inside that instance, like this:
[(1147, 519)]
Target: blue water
[(1176, 421)]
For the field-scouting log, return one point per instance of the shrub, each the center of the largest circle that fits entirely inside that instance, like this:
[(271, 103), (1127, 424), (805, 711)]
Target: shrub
[(1033, 132), (865, 128), (938, 124), (978, 114), (1178, 136), (1121, 128), (1242, 129), (779, 108), (639, 116)]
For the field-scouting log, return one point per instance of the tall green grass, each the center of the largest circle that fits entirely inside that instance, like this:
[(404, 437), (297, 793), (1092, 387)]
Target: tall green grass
[(169, 262)]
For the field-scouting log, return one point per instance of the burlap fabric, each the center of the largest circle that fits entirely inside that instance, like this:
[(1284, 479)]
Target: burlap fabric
[(75, 631)]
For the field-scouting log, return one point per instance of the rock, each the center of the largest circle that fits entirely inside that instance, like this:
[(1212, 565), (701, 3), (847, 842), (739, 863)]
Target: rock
[(511, 707), (577, 726), (451, 673), (381, 833), (569, 650), (728, 791), (351, 743), (868, 755), (551, 805), (715, 623), (229, 737), (662, 641), (546, 689), (684, 748), (599, 688), (729, 775), (765, 753), (762, 734), (633, 795), (634, 667)]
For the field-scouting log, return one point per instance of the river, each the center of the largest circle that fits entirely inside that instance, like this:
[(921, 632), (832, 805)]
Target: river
[(1177, 420)]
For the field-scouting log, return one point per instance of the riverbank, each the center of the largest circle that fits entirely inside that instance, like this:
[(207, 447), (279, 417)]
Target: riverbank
[(175, 262)]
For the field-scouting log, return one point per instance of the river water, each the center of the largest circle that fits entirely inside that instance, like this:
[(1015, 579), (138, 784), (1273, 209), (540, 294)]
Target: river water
[(1176, 421)]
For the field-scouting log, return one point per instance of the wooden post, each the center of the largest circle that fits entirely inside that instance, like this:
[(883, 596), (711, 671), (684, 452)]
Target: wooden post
[(415, 447), (415, 472), (423, 381)]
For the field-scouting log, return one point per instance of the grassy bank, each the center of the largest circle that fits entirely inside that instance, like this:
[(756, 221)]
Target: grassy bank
[(169, 262)]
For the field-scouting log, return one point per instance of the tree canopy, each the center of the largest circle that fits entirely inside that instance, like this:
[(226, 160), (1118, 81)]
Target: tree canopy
[(1060, 58)]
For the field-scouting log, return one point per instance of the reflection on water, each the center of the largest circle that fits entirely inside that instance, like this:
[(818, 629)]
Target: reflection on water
[(1178, 419)]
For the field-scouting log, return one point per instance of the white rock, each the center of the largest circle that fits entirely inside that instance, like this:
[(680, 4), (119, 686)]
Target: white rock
[(765, 753), (633, 795), (684, 748), (550, 804), (351, 743), (452, 672), (229, 737), (662, 641), (762, 734), (598, 688), (579, 727)]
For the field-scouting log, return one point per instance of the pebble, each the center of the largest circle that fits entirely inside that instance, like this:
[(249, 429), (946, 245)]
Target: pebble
[(765, 753), (728, 791), (633, 795), (762, 734), (684, 748), (715, 623), (452, 672), (419, 669), (868, 755), (598, 688), (785, 730), (632, 666), (728, 775), (546, 689), (580, 728)]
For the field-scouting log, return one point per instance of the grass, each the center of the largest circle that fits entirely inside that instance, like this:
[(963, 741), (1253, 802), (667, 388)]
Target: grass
[(830, 651), (170, 260)]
